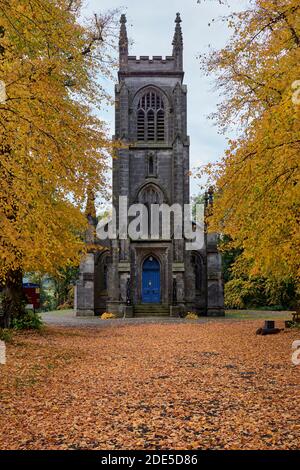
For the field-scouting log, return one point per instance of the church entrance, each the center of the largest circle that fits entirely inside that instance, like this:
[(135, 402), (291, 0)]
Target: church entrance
[(151, 281)]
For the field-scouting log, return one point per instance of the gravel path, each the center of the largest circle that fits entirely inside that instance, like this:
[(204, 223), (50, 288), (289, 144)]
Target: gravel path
[(69, 319)]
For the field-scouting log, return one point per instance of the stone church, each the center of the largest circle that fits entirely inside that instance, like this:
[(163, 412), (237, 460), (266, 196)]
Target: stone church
[(151, 276)]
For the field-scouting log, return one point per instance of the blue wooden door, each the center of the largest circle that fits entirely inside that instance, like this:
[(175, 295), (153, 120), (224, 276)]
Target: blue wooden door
[(151, 281)]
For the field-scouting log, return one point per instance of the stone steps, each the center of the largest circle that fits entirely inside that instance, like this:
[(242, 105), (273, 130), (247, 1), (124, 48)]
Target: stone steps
[(151, 310)]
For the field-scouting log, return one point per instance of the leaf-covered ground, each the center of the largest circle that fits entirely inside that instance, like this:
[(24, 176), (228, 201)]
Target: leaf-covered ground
[(150, 386)]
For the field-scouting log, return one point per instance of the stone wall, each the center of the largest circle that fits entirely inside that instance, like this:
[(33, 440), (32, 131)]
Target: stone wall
[(137, 75)]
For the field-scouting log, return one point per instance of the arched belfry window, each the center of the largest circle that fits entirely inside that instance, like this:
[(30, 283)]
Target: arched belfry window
[(151, 118)]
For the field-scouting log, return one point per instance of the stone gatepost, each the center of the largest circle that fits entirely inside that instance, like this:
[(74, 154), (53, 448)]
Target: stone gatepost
[(178, 307), (215, 294), (84, 289), (125, 308), (113, 281)]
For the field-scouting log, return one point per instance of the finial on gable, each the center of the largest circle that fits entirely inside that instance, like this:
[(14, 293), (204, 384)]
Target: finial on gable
[(123, 42), (178, 43), (123, 19), (178, 19)]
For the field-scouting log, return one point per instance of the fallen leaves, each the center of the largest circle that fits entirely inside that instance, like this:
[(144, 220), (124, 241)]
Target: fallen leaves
[(172, 386)]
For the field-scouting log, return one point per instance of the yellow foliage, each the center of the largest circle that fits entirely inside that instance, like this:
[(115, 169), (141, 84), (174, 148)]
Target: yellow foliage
[(257, 187), (191, 316), (107, 316), (52, 145)]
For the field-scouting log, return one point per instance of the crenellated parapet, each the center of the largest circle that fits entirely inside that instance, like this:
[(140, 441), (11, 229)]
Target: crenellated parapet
[(171, 65)]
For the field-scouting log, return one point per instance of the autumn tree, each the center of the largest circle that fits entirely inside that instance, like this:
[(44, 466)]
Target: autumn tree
[(63, 284), (53, 146), (257, 181)]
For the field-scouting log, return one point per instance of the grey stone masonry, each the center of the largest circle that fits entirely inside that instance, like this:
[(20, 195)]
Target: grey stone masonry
[(151, 167)]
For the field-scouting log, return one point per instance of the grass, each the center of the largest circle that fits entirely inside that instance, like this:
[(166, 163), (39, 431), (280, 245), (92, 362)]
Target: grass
[(60, 313), (258, 314)]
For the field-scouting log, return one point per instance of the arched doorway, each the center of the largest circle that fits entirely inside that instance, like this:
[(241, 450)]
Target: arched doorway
[(151, 281)]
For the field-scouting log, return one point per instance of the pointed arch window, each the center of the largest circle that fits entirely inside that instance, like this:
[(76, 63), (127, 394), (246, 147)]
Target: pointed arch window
[(151, 118), (151, 166)]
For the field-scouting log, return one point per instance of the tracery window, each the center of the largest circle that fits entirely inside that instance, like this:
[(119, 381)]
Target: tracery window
[(151, 118), (150, 194)]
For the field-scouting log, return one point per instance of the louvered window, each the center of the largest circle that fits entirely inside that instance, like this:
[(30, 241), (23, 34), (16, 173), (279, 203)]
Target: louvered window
[(141, 125), (151, 125), (151, 118), (160, 126)]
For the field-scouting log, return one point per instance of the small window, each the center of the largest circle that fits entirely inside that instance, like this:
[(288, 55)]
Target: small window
[(151, 165)]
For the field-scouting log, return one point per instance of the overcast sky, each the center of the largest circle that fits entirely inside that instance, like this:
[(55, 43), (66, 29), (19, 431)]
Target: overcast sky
[(150, 25)]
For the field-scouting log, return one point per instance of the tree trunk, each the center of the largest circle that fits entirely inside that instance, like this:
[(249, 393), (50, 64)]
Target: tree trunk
[(13, 303)]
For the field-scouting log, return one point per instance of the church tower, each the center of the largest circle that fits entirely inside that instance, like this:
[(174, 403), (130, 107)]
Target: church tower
[(154, 276)]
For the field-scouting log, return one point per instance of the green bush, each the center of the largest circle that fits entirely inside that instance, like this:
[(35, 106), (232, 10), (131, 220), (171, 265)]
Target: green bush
[(255, 292), (282, 292), (238, 292), (65, 306), (5, 335), (28, 321), (47, 300)]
